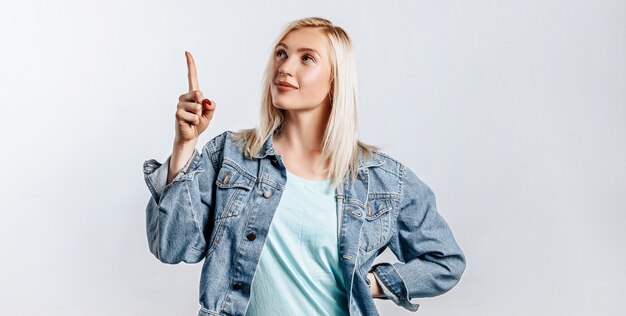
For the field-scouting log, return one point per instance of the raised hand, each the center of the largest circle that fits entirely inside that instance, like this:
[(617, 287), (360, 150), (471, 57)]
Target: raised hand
[(194, 112)]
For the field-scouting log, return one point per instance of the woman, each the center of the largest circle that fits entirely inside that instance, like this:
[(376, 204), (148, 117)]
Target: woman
[(333, 202)]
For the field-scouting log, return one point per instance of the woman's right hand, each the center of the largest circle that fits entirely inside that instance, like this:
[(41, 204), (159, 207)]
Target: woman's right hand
[(194, 112)]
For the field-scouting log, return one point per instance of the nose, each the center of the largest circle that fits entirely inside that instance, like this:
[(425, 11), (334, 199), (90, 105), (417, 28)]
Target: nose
[(286, 67)]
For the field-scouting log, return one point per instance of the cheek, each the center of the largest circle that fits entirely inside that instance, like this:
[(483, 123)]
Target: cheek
[(316, 82)]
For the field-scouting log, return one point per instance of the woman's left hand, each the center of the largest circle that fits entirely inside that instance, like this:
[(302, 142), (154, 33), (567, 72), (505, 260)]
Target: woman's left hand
[(375, 289)]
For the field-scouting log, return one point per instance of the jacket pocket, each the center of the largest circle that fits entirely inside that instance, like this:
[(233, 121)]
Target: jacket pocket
[(377, 224), (233, 187)]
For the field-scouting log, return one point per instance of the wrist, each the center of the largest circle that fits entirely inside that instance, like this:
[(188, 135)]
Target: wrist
[(181, 154), (375, 289), (184, 144)]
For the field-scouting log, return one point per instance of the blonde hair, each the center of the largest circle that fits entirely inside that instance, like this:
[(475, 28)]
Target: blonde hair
[(340, 143)]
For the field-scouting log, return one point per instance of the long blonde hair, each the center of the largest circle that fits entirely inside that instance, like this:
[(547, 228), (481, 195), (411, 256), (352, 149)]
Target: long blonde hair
[(340, 143)]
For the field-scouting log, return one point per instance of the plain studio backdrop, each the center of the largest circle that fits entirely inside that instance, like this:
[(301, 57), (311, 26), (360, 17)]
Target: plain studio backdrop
[(514, 112)]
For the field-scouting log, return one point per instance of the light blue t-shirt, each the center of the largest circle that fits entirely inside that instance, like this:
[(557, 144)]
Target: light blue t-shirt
[(298, 271)]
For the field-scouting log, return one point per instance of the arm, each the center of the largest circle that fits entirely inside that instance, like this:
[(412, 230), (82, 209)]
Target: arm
[(376, 289), (180, 158), (430, 261), (177, 212)]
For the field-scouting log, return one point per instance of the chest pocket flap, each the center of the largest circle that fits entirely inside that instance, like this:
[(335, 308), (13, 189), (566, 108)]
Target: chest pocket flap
[(377, 208), (233, 189), (233, 177)]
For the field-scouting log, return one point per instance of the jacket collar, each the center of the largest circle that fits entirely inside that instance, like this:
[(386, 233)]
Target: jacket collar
[(371, 161), (267, 149)]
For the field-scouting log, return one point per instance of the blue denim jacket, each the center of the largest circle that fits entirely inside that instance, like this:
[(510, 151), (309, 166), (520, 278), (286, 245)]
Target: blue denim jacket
[(220, 205)]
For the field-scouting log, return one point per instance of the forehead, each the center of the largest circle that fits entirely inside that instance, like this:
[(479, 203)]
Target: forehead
[(306, 38)]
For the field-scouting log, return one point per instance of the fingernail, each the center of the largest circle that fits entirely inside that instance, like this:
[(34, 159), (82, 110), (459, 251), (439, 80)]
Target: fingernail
[(206, 101)]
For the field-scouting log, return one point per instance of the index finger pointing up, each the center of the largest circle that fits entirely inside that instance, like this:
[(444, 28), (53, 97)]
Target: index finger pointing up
[(192, 74)]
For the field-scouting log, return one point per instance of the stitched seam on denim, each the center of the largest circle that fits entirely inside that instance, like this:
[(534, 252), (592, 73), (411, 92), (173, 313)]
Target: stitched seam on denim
[(233, 164), (152, 188), (377, 217), (391, 195), (213, 152), (407, 300), (354, 201), (240, 248), (401, 185), (271, 183), (354, 269), (228, 291), (157, 238), (389, 285), (396, 234), (390, 171), (368, 187), (213, 157), (200, 252), (193, 216), (184, 175), (229, 205), (218, 231), (208, 311), (380, 153), (388, 294), (373, 163), (370, 166), (394, 227), (380, 245)]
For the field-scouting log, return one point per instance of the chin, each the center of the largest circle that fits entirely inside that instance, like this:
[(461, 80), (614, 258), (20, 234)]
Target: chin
[(280, 103), (283, 107)]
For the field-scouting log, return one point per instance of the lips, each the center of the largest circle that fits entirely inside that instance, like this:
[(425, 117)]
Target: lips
[(285, 84)]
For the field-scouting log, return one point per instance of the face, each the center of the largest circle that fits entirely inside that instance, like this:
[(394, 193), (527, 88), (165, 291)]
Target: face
[(301, 60)]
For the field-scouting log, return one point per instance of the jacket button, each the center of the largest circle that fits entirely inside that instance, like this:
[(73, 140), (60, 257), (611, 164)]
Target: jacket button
[(267, 194), (251, 236), (238, 285)]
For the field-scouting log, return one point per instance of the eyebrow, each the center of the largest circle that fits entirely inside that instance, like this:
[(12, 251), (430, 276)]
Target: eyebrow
[(303, 49)]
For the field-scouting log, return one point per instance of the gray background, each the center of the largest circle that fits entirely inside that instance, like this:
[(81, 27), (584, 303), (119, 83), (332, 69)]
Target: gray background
[(513, 112)]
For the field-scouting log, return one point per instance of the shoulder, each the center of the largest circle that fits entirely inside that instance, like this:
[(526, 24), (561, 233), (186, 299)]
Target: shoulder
[(222, 141), (226, 145), (379, 161), (406, 177)]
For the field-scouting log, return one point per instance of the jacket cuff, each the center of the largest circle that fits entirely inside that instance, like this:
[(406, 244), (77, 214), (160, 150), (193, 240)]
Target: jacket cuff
[(392, 282), (155, 174), (388, 294)]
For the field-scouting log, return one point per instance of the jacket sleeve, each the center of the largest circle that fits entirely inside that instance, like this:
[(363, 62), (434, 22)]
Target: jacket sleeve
[(177, 213), (430, 261)]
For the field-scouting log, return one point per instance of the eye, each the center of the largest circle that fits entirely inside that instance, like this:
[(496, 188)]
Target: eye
[(309, 56), (278, 53)]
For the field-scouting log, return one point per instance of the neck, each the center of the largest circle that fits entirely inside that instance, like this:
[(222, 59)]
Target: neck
[(303, 131)]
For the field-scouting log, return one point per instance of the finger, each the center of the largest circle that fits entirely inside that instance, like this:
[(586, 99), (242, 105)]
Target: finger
[(187, 117), (191, 96), (208, 108), (192, 74), (208, 105), (192, 107)]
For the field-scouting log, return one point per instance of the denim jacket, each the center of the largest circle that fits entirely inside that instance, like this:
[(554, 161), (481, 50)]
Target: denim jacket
[(220, 205)]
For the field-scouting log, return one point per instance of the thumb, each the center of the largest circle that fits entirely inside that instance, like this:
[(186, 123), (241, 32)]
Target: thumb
[(208, 105)]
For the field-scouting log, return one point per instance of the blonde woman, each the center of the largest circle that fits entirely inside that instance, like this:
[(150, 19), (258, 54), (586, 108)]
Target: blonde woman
[(289, 216)]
